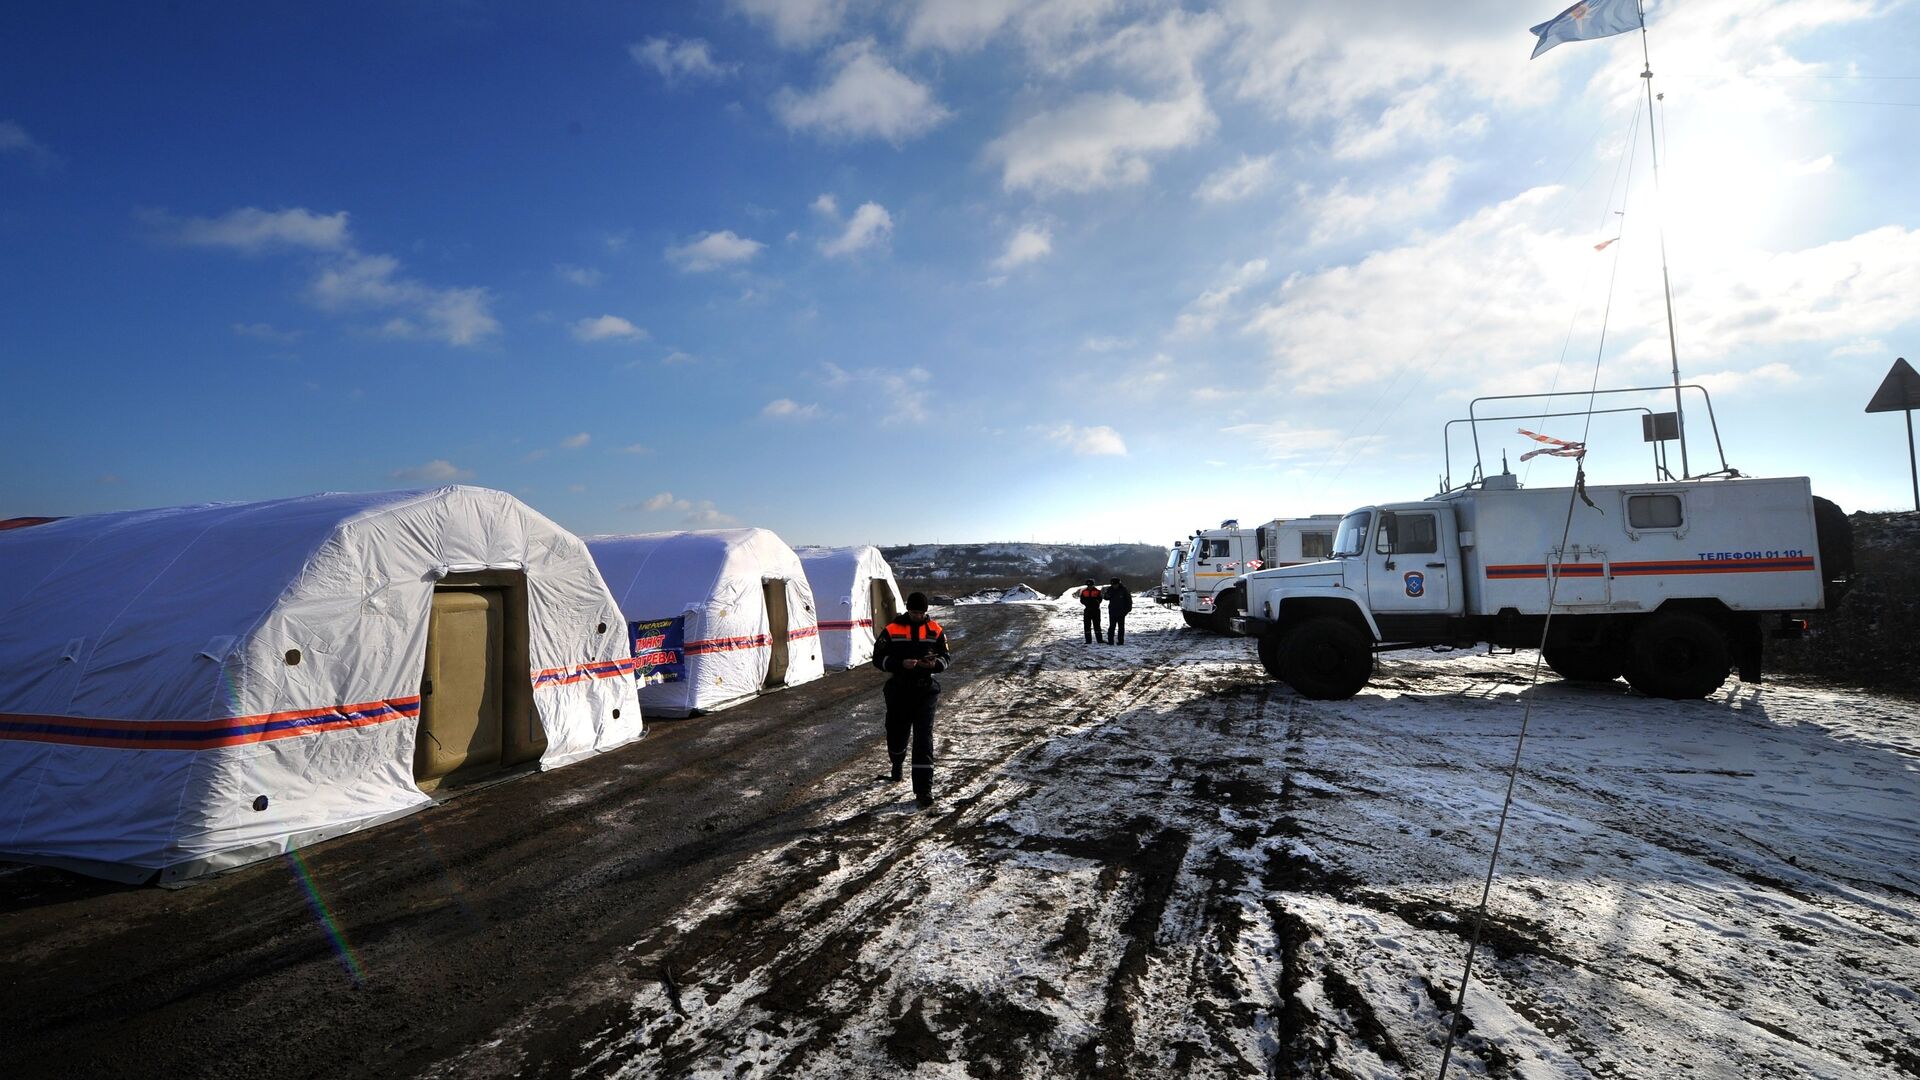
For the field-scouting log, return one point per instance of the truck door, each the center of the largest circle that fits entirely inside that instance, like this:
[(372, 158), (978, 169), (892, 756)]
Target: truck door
[(1411, 566)]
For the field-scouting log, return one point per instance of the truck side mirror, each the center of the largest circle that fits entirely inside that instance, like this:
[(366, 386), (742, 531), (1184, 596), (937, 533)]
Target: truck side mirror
[(1386, 539)]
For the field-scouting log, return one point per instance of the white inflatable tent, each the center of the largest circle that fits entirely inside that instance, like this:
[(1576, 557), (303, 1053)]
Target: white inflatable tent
[(714, 616), (189, 689), (856, 593)]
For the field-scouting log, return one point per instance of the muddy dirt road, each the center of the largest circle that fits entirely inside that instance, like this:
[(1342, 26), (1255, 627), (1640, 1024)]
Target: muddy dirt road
[(1146, 860)]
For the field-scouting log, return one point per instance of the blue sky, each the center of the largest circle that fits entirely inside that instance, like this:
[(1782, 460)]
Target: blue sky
[(1069, 270)]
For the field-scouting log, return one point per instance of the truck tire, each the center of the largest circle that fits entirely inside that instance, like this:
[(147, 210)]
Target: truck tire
[(1678, 655), (1194, 622), (1324, 658), (1225, 608), (1268, 646), (1585, 663)]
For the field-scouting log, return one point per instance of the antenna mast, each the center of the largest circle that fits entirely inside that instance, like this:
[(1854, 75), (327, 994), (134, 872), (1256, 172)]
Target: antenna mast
[(1660, 219)]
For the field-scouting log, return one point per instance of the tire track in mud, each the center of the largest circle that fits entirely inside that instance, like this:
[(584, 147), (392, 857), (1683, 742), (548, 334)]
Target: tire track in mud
[(790, 926), (805, 943)]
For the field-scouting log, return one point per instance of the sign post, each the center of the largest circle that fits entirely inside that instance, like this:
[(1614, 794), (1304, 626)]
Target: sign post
[(1900, 392)]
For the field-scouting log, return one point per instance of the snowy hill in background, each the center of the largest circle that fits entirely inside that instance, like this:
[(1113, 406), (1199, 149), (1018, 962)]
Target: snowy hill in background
[(956, 568)]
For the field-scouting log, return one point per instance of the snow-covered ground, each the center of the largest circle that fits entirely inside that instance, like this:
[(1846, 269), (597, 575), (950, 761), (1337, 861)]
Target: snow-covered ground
[(1150, 860)]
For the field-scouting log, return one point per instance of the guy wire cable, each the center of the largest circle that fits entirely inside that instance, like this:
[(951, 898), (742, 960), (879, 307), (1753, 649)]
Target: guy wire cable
[(1624, 164), (1533, 684)]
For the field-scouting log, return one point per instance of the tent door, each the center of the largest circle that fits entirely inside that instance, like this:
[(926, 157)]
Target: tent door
[(880, 603), (776, 594), (476, 693)]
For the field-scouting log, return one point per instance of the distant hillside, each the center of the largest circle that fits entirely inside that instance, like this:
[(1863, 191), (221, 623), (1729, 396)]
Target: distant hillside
[(955, 569), (1869, 640)]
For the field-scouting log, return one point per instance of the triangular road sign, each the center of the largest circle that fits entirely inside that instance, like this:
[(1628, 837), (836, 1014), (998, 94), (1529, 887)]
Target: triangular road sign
[(1900, 391)]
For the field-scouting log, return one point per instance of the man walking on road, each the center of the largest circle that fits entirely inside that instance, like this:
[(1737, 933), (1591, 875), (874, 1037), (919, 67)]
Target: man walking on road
[(1090, 598), (912, 649), (1119, 602)]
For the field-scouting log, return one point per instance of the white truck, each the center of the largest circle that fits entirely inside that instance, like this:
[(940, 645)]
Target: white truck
[(1669, 583), (1170, 575), (1217, 558)]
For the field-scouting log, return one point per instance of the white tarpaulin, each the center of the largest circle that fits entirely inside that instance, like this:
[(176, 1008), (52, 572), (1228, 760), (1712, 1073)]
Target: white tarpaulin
[(192, 688), (697, 612), (844, 581)]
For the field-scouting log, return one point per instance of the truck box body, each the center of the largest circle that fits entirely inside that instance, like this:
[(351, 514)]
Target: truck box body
[(1749, 544)]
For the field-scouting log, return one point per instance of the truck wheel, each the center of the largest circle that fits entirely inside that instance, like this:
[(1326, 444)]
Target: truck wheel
[(1225, 609), (1194, 622), (1325, 658), (1585, 663), (1678, 655), (1268, 646)]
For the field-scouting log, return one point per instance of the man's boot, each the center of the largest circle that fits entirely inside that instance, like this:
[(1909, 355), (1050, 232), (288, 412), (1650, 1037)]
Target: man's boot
[(895, 778)]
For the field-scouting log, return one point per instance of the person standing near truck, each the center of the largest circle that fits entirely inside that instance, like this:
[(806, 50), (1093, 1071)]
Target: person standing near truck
[(912, 650), (1090, 597), (1119, 602)]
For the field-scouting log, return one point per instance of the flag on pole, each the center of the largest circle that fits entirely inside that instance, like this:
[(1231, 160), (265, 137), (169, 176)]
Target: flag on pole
[(1587, 20), (1554, 448)]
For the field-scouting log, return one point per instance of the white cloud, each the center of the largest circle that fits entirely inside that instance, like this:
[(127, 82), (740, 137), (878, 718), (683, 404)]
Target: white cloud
[(583, 276), (373, 282), (1207, 309), (1096, 441), (1501, 286), (865, 97), (1861, 347), (636, 448), (711, 251), (14, 139), (956, 25), (689, 59), (607, 328), (1283, 441), (250, 229), (827, 206), (1028, 243), (266, 332), (1107, 344), (1811, 166), (706, 517), (676, 357), (787, 408), (903, 392), (1098, 140), (1775, 374), (1344, 212), (1416, 115), (1248, 176), (870, 226), (795, 23), (437, 471), (346, 278), (700, 514), (575, 442)]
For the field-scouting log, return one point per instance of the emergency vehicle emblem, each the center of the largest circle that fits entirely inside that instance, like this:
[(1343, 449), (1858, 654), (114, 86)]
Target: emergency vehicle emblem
[(1416, 583)]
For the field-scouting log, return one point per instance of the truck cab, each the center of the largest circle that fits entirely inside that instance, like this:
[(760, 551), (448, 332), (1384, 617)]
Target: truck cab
[(1170, 575)]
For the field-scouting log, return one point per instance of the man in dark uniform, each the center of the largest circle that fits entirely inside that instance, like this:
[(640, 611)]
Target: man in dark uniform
[(1089, 597), (1119, 602), (912, 649)]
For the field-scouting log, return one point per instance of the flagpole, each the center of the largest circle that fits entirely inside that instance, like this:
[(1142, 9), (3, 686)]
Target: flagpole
[(1666, 281)]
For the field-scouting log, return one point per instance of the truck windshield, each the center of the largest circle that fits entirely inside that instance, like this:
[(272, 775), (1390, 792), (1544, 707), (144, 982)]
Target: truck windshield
[(1352, 537)]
